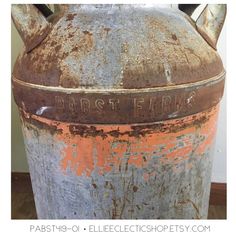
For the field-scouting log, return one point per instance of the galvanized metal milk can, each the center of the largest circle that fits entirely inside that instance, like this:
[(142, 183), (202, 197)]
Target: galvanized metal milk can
[(119, 109)]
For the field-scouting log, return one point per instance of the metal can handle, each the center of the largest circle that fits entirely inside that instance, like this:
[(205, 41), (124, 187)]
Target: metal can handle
[(31, 23), (210, 22)]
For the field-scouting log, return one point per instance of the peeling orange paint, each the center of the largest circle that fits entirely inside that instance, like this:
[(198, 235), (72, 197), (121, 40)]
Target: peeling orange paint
[(83, 155)]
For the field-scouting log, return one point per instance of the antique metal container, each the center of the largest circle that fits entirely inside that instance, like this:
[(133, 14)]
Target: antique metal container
[(119, 109)]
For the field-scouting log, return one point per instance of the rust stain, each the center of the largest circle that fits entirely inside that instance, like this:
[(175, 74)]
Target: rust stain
[(173, 36), (135, 188), (70, 16), (188, 201), (74, 49), (53, 43), (86, 43), (106, 29), (137, 130), (58, 47)]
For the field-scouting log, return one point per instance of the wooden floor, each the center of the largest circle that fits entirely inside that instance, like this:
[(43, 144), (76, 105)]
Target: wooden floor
[(23, 206), (217, 212)]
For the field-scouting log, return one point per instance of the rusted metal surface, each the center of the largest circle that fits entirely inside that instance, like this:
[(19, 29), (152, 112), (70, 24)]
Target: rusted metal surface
[(210, 22), (31, 24), (119, 106), (119, 47), (152, 171)]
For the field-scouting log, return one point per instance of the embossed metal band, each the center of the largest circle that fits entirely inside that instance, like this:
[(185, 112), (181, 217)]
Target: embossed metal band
[(118, 106)]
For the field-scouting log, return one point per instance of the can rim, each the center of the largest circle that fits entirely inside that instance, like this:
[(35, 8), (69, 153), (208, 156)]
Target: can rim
[(118, 90)]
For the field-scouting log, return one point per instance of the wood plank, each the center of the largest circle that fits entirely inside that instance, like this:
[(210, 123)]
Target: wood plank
[(218, 194)]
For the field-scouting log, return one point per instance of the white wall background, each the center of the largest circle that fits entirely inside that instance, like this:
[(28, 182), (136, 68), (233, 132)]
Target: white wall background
[(19, 162), (219, 164)]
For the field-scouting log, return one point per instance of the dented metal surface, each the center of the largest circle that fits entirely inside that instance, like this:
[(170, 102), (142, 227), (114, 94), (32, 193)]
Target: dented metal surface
[(119, 106)]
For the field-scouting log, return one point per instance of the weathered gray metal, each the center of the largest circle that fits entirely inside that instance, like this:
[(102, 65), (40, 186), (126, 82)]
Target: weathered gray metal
[(119, 106)]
